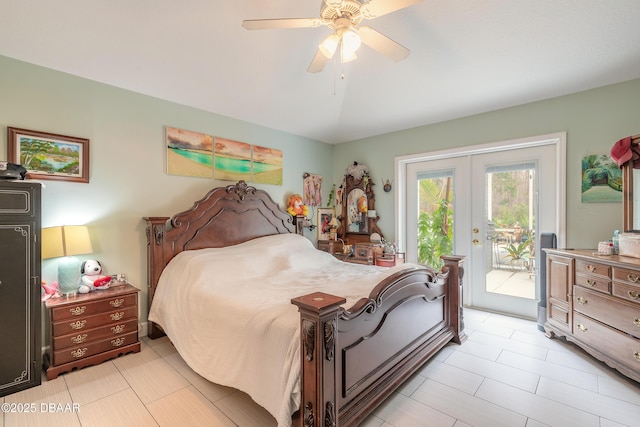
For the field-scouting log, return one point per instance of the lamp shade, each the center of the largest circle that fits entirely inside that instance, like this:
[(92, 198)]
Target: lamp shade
[(65, 240)]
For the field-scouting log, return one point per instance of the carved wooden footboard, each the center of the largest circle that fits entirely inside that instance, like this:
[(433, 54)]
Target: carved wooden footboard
[(353, 359)]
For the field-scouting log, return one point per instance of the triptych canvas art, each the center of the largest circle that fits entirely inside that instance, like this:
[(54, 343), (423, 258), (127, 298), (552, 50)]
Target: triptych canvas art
[(200, 155)]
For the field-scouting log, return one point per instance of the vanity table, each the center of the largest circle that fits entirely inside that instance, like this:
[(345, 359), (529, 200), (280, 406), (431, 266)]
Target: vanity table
[(358, 220)]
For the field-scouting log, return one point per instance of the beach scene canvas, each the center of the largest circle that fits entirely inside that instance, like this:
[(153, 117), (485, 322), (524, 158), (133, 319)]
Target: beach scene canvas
[(189, 153), (267, 165), (232, 160)]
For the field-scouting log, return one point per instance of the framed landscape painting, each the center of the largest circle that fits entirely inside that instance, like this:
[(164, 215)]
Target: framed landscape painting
[(189, 153), (48, 155), (232, 160), (266, 165)]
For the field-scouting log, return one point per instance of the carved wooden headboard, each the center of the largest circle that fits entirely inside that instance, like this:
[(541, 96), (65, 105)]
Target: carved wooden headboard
[(226, 216)]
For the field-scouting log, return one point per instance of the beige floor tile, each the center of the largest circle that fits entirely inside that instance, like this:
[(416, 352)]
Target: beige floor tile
[(245, 412), (187, 407), (465, 407), (530, 350), (535, 406), (497, 371), (211, 391), (479, 349), (122, 409), (134, 360), (46, 410), (402, 411), (453, 376), (163, 346), (591, 402), (153, 379), (94, 382), (580, 379), (620, 388)]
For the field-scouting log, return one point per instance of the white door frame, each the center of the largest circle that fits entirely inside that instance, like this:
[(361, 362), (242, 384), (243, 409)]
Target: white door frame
[(557, 139)]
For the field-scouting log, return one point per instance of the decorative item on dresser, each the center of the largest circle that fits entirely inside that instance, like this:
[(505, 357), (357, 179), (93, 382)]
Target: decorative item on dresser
[(89, 329), (20, 285), (594, 301), (349, 357)]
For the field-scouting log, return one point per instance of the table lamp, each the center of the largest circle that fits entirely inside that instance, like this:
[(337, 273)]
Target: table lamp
[(64, 242), (334, 225)]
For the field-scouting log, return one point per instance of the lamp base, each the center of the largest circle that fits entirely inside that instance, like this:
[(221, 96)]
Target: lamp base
[(69, 275)]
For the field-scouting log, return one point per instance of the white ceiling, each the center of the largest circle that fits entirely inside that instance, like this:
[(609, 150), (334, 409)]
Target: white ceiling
[(467, 57)]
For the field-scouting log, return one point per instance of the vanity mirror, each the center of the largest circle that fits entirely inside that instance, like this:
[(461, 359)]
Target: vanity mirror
[(631, 190), (359, 217)]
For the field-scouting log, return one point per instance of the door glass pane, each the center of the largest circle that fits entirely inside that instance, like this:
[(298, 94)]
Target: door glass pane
[(435, 216), (510, 219)]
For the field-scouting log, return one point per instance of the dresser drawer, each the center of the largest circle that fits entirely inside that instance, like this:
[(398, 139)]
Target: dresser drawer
[(89, 349), (631, 277), (593, 268), (69, 326), (626, 292), (596, 283), (621, 315), (89, 335), (623, 348), (83, 309)]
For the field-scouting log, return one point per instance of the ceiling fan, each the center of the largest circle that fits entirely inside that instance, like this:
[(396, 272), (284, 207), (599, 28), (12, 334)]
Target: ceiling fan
[(343, 16)]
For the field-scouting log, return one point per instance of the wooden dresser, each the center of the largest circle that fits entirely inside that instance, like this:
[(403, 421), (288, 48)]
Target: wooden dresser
[(88, 329), (594, 301)]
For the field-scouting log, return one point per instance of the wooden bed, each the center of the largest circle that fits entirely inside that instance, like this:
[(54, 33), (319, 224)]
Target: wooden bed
[(351, 359)]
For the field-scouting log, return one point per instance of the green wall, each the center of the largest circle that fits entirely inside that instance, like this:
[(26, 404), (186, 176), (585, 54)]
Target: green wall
[(128, 178), (594, 120)]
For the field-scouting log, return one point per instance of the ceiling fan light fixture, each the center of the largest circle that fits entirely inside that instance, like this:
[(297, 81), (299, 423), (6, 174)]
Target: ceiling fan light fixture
[(329, 45), (347, 55), (350, 40)]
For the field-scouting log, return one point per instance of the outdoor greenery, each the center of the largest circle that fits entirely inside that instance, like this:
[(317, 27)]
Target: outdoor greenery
[(435, 234)]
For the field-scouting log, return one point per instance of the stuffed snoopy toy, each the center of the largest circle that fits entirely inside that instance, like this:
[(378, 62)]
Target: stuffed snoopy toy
[(92, 277)]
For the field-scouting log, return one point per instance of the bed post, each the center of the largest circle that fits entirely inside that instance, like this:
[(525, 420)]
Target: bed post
[(456, 272), (318, 323), (156, 228)]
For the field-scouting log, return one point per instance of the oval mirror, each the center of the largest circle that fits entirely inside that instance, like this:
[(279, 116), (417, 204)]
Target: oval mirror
[(357, 205)]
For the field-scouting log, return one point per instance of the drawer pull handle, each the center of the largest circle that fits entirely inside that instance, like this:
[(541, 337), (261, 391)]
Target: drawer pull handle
[(118, 342), (636, 321), (636, 354), (591, 282), (79, 353), (117, 316), (117, 329), (116, 302), (77, 311), (79, 324), (633, 278), (582, 328), (582, 301), (591, 268), (633, 294), (79, 339)]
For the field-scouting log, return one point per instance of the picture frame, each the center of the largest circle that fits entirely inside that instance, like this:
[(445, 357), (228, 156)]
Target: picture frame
[(324, 217), (49, 156)]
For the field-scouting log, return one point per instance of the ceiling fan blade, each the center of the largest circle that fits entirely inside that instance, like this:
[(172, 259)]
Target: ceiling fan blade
[(382, 43), (318, 63), (263, 24), (374, 8)]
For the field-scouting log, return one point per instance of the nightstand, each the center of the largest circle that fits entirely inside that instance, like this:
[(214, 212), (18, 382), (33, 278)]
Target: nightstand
[(88, 329)]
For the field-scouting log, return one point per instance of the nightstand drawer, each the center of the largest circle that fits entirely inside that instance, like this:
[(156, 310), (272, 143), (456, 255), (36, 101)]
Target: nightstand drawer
[(89, 349), (69, 326), (85, 309), (82, 337)]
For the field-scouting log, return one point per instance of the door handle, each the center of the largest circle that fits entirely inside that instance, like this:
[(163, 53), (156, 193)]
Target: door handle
[(476, 241)]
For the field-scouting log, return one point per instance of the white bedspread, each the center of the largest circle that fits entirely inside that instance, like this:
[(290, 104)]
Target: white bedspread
[(228, 311)]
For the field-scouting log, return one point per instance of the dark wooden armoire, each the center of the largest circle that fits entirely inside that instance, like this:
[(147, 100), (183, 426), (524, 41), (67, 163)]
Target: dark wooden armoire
[(20, 306)]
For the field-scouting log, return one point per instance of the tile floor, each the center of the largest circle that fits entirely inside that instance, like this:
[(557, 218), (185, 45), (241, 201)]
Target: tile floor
[(506, 374)]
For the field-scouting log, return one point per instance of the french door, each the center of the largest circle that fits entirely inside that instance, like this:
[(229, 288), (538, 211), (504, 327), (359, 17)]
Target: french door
[(490, 205)]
